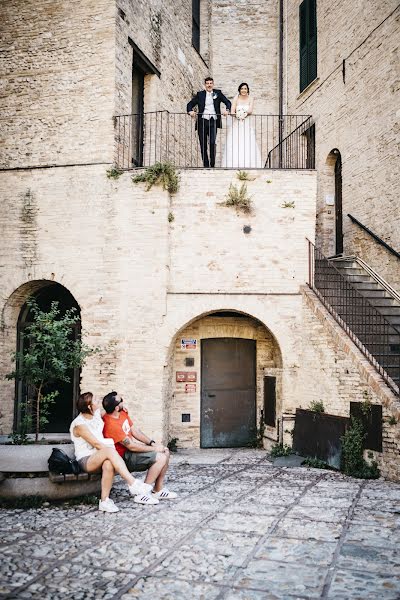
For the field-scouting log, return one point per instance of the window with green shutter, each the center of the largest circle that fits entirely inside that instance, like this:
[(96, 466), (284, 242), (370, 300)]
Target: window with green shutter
[(308, 42), (196, 24)]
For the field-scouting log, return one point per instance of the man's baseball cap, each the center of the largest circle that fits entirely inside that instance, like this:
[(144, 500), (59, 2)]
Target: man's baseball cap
[(110, 402)]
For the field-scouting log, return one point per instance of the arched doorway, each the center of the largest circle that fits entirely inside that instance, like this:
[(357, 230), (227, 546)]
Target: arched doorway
[(338, 204), (62, 411), (223, 364)]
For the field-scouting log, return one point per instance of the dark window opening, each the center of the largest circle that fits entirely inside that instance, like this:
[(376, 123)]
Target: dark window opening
[(196, 24), (270, 401), (63, 410), (310, 147), (308, 42)]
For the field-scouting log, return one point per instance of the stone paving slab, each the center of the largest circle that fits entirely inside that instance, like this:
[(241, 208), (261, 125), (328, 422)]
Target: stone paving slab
[(241, 529)]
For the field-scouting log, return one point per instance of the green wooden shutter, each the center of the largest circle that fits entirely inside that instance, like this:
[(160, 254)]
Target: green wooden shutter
[(196, 24), (303, 45), (312, 40), (308, 42)]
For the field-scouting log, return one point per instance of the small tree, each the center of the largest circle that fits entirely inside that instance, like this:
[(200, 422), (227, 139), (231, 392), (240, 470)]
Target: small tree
[(49, 353)]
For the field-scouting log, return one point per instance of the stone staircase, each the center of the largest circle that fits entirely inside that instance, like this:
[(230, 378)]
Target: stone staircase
[(385, 348)]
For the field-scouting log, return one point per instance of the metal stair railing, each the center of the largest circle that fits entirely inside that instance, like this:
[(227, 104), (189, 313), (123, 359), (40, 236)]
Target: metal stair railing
[(363, 323), (373, 274)]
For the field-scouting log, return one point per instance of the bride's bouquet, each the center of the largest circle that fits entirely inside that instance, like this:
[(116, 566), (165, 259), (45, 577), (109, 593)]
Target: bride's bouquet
[(241, 113)]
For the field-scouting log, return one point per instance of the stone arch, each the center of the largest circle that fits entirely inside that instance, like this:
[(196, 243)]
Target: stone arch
[(329, 224), (14, 316), (223, 323)]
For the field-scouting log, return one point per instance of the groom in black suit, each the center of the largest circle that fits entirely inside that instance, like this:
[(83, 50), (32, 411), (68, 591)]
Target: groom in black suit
[(208, 118)]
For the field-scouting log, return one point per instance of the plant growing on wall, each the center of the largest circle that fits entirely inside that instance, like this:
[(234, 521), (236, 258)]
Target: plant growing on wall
[(244, 176), (159, 174), (353, 462), (50, 352), (113, 173), (238, 198), (317, 406)]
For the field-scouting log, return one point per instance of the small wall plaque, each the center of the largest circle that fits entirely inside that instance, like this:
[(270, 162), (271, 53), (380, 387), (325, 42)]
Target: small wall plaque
[(188, 344), (185, 417), (186, 376), (189, 362), (190, 388)]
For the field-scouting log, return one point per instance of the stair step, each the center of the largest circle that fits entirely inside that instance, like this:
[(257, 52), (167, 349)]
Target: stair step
[(374, 293), (378, 302)]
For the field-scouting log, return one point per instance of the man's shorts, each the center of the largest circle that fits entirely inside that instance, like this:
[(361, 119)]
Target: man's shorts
[(139, 461)]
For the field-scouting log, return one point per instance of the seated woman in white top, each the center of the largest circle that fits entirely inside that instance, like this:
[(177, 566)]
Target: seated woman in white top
[(95, 453)]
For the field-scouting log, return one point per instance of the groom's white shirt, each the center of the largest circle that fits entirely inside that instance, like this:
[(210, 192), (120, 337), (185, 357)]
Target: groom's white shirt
[(209, 109)]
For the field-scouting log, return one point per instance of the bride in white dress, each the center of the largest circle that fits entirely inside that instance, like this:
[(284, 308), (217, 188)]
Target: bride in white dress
[(241, 148)]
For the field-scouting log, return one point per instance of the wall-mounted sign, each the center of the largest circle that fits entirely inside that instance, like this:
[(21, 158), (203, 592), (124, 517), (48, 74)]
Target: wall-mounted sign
[(186, 376), (190, 388), (188, 344)]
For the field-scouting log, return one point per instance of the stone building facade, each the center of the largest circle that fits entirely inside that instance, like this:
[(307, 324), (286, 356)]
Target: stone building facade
[(354, 104), (150, 269)]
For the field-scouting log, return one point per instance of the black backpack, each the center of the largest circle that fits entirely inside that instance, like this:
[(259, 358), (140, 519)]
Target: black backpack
[(59, 462)]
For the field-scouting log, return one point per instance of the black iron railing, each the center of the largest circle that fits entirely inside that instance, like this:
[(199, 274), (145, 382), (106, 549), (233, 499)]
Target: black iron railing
[(374, 236), (258, 141), (374, 335)]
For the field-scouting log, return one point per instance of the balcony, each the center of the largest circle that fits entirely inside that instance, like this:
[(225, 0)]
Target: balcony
[(258, 141)]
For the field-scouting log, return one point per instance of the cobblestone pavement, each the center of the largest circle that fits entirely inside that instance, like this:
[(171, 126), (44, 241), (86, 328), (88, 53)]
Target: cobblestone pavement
[(242, 529)]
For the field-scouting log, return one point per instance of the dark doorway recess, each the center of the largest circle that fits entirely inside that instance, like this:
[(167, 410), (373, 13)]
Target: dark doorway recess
[(141, 66), (270, 401), (63, 410), (318, 435), (228, 392), (338, 204), (370, 416)]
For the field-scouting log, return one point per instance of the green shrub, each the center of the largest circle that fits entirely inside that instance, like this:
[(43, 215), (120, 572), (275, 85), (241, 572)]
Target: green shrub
[(281, 450), (113, 173), (163, 174), (317, 406), (353, 462), (238, 198)]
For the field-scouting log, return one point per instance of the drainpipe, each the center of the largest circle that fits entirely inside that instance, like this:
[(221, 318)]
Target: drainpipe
[(280, 81)]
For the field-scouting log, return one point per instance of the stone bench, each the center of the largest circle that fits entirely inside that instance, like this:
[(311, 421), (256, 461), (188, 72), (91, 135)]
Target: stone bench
[(24, 472), (68, 477)]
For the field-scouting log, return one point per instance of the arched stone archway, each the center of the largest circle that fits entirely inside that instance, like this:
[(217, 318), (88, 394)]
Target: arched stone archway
[(329, 226), (232, 416), (15, 316)]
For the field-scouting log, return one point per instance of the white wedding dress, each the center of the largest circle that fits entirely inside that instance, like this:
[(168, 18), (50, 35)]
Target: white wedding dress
[(241, 149)]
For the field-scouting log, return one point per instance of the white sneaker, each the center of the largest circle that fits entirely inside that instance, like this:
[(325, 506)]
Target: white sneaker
[(145, 499), (139, 488), (108, 505), (165, 494)]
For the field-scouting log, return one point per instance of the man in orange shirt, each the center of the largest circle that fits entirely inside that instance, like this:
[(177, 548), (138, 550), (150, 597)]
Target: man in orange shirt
[(139, 452)]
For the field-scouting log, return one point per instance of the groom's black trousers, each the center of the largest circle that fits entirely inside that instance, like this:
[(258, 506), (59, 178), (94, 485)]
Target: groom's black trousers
[(207, 132)]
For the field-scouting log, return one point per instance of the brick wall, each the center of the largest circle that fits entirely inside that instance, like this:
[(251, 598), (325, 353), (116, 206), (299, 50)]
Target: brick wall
[(57, 71), (132, 271), (358, 116), (163, 32), (245, 48)]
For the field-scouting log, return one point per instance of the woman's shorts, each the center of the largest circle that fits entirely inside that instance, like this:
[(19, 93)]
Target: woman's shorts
[(82, 462), (139, 461)]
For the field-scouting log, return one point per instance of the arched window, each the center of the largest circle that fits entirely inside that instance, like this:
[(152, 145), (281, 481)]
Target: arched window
[(62, 411)]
